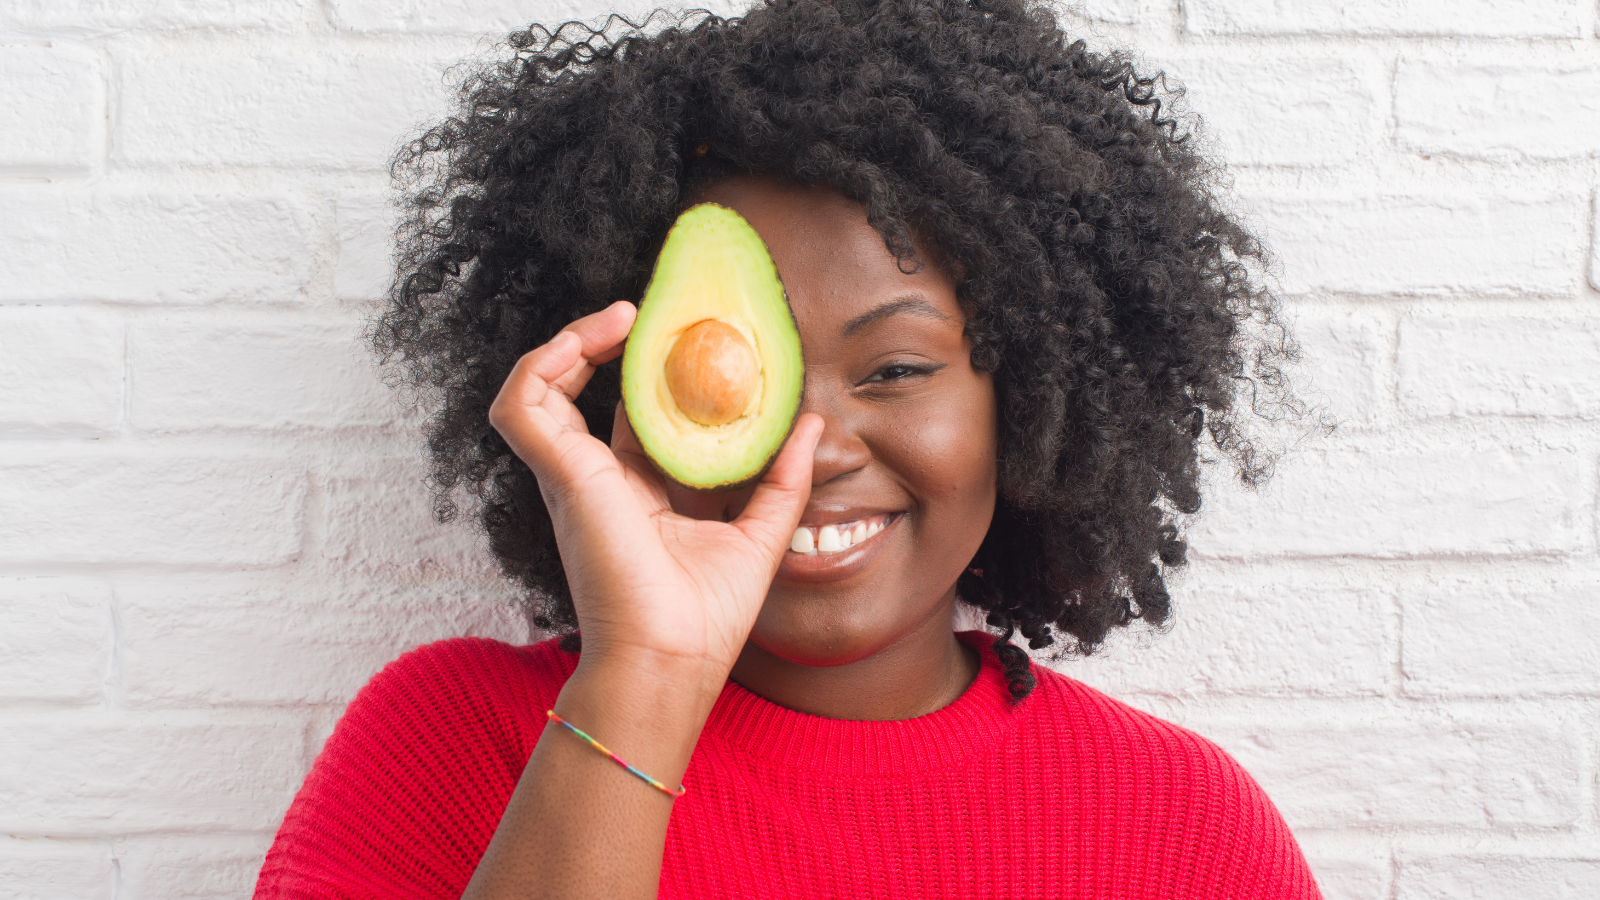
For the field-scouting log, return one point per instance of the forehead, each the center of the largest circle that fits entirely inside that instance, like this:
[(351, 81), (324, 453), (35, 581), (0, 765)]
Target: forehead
[(833, 263)]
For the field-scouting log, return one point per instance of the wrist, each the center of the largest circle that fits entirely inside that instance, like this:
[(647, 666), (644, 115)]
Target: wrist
[(652, 675), (649, 708)]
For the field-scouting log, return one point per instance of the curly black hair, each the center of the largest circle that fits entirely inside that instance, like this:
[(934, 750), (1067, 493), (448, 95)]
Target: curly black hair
[(1116, 303)]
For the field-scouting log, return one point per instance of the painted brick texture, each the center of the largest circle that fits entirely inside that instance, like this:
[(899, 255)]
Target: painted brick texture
[(62, 370), (123, 244), (294, 109), (214, 529), (54, 115), (1375, 18)]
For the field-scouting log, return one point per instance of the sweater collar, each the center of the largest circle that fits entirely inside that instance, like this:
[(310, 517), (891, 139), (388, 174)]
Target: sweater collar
[(769, 735)]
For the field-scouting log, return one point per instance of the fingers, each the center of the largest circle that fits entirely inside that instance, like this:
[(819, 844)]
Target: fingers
[(533, 408), (603, 332), (602, 335), (625, 444), (775, 507), (623, 440), (520, 412)]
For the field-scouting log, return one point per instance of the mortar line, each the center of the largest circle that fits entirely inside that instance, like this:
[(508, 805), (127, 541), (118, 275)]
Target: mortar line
[(1397, 672), (1591, 776), (116, 869), (125, 426), (115, 689), (1392, 873)]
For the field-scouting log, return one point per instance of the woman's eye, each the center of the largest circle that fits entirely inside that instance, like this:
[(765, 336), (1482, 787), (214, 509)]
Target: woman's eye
[(896, 372)]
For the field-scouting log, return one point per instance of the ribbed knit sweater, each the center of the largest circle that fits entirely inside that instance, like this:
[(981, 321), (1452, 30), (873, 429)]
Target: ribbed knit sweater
[(1068, 794)]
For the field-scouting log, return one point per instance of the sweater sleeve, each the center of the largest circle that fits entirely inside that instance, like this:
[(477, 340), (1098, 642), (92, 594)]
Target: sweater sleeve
[(1252, 854), (1230, 842), (408, 790)]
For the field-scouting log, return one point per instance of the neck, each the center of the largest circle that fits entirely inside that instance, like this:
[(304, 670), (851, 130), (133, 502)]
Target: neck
[(920, 673)]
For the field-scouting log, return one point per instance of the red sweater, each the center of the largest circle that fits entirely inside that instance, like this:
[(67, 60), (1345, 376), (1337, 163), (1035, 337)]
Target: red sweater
[(1069, 794)]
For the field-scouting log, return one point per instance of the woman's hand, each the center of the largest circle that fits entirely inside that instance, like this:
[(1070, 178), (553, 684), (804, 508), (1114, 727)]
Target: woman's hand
[(645, 580), (665, 603)]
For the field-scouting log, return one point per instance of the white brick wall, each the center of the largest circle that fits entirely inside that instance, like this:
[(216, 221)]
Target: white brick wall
[(213, 531)]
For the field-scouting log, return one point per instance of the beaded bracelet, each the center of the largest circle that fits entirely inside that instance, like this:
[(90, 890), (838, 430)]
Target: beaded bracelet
[(551, 714)]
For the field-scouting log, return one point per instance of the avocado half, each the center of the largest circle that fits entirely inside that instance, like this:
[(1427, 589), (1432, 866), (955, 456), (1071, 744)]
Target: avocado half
[(712, 371)]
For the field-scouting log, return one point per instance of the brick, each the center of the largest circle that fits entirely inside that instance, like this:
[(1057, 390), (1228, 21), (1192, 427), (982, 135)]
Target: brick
[(1302, 111), (1388, 769), (61, 371), (54, 115), (1347, 369), (1112, 12), (1300, 640), (92, 772), (1445, 18), (55, 869), (1501, 638), (189, 867), (1497, 111), (57, 639), (1400, 502), (225, 643), (477, 17), (1117, 12), (148, 509), (96, 16), (1424, 876), (1509, 364), (124, 244), (207, 373), (381, 520), (1379, 244), (365, 227), (328, 110)]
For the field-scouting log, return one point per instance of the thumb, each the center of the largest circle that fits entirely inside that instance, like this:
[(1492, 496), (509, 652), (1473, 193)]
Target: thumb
[(774, 509)]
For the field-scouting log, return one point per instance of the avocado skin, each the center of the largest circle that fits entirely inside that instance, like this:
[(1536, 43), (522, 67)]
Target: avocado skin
[(713, 265)]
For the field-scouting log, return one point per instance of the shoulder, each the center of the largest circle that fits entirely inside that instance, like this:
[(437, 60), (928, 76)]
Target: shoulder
[(1181, 793), (465, 673), (458, 694), (1113, 727), (434, 744), (453, 704)]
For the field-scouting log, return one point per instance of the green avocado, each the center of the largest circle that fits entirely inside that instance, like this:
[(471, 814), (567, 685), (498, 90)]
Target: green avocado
[(712, 371)]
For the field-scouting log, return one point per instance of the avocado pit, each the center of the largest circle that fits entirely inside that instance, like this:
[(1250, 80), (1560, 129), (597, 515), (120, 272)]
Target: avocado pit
[(712, 372)]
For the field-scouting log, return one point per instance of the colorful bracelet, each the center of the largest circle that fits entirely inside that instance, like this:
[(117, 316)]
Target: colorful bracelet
[(551, 714)]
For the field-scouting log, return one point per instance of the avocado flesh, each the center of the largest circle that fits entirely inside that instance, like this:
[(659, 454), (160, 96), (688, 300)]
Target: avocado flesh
[(713, 266)]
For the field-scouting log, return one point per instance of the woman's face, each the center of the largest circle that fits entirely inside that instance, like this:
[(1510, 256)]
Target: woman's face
[(906, 463)]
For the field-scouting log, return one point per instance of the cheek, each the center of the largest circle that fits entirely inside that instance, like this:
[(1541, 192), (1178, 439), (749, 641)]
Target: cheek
[(948, 455)]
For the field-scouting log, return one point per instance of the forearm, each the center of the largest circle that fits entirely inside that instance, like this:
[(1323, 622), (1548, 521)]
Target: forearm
[(578, 825)]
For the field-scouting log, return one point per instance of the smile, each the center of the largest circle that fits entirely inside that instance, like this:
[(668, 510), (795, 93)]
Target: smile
[(824, 540)]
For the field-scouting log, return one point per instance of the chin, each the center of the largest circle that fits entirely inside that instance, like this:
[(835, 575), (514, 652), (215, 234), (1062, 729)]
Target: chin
[(813, 640), (805, 633)]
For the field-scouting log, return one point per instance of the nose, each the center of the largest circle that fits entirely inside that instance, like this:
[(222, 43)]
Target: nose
[(840, 451)]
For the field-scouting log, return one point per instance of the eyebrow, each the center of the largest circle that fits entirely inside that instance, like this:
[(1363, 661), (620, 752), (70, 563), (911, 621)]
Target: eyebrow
[(915, 306)]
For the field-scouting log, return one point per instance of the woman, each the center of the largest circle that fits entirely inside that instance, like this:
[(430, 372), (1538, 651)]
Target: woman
[(1021, 312)]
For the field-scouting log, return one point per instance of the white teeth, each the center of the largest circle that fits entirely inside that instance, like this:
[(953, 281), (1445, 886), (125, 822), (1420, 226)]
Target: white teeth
[(802, 542), (811, 540), (828, 540)]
